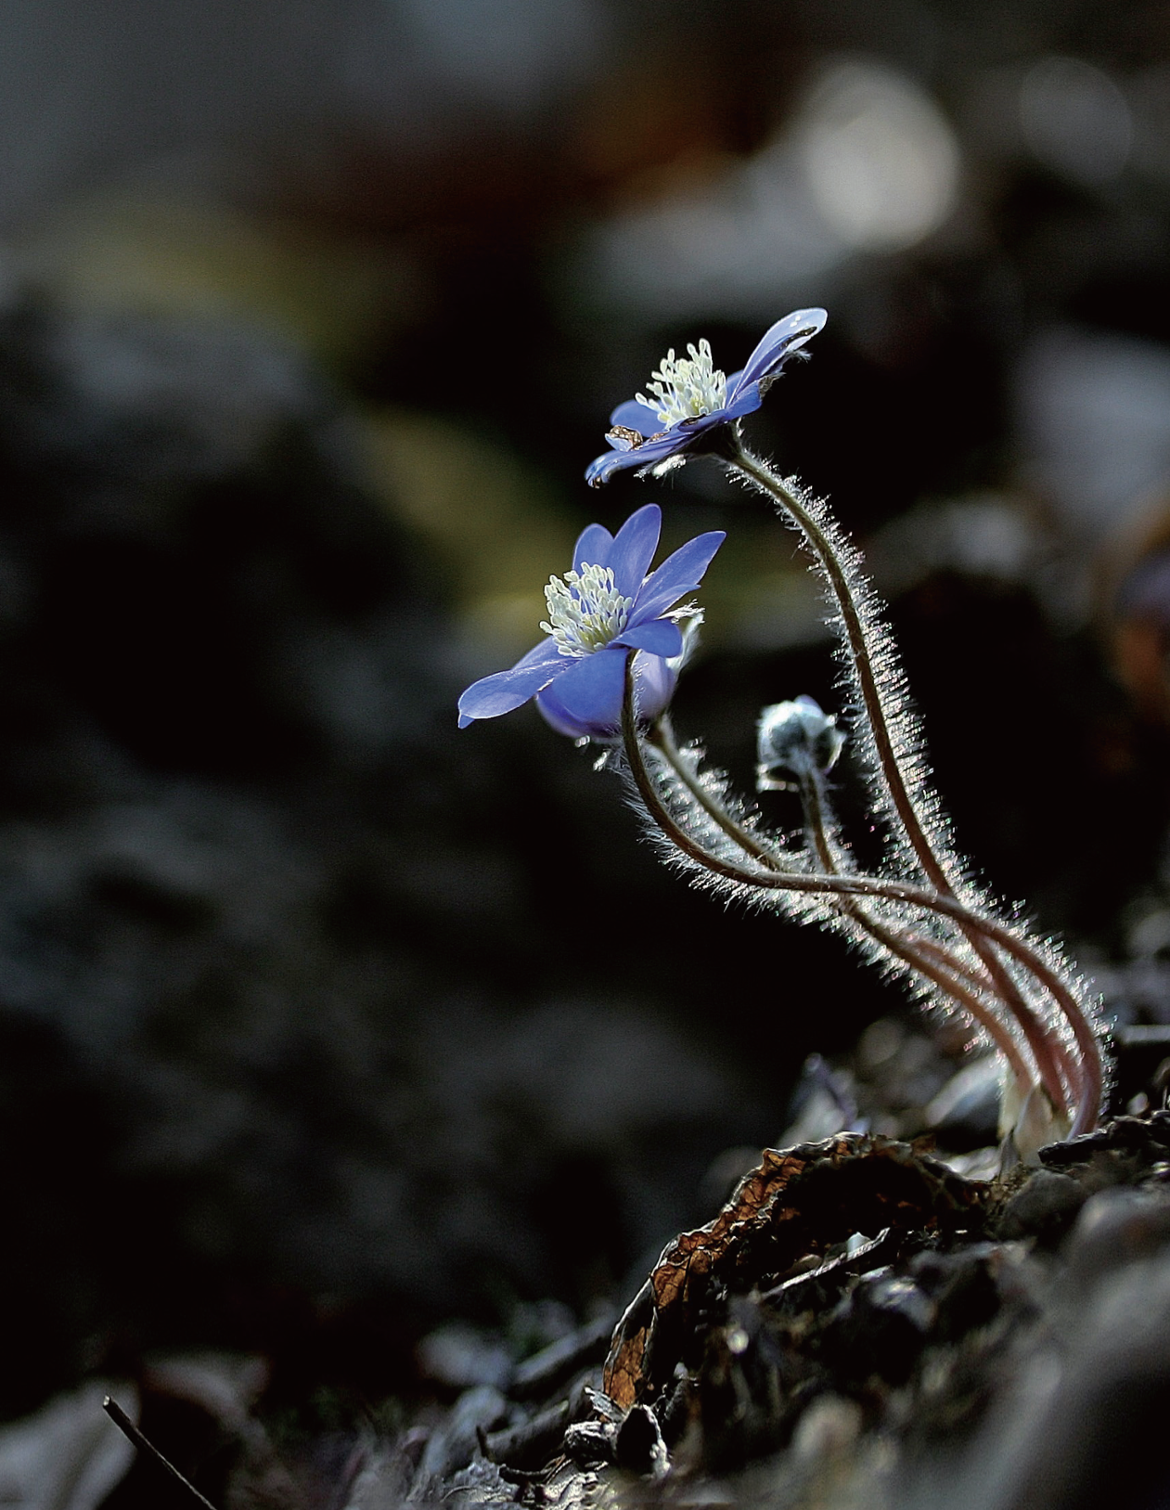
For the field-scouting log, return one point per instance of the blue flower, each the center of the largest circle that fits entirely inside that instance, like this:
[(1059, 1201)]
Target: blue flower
[(598, 613), (691, 398)]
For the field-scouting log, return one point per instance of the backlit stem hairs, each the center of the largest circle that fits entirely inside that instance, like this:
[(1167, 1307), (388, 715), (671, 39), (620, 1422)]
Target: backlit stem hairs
[(693, 814), (890, 746)]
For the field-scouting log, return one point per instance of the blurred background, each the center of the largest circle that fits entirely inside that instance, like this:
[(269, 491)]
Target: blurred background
[(321, 1023)]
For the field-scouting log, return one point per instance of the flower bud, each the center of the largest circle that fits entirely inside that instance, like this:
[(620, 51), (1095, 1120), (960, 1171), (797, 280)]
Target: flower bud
[(795, 740)]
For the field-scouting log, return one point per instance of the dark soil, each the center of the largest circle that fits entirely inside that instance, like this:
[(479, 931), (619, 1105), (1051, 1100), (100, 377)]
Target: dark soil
[(859, 1326)]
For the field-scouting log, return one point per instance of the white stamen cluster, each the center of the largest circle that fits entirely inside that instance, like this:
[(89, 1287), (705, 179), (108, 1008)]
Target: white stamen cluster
[(685, 389), (585, 610)]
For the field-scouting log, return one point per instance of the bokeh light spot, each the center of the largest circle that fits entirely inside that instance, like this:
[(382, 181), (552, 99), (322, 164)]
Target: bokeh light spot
[(881, 160)]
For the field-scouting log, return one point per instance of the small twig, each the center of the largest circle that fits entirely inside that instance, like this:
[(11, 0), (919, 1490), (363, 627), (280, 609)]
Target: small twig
[(127, 1427)]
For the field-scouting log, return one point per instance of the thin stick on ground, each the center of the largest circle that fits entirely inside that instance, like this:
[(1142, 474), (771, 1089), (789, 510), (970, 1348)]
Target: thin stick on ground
[(127, 1427)]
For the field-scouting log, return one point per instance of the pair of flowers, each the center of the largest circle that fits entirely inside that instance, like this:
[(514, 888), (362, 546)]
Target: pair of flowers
[(608, 606)]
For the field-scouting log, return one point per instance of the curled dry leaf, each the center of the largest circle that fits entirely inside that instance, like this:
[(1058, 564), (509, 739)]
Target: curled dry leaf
[(796, 1204)]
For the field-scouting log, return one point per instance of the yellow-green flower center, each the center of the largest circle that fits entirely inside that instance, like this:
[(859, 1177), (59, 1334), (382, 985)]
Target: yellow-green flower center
[(585, 610), (685, 388)]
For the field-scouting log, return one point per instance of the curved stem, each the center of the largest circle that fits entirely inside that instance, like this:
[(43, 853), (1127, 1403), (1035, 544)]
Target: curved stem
[(931, 960), (860, 656), (936, 964), (660, 734), (1049, 1061), (976, 978), (868, 886)]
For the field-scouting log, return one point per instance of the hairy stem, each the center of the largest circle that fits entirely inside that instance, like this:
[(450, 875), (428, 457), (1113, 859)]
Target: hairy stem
[(937, 965), (860, 656), (905, 803), (660, 734), (867, 886)]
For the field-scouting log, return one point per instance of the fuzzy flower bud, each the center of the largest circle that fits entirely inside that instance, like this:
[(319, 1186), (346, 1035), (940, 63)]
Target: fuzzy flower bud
[(795, 740)]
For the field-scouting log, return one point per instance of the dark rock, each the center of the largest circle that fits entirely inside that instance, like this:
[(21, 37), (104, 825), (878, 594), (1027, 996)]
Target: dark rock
[(639, 1447), (963, 1286), (880, 1329), (1118, 1226), (1045, 1208)]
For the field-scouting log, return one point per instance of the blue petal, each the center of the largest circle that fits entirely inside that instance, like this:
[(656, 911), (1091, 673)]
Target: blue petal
[(493, 695), (593, 547), (544, 654), (778, 342), (556, 717), (656, 450), (654, 686), (601, 468), (745, 401), (658, 636), (635, 416), (670, 444), (634, 547), (678, 574), (590, 692)]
